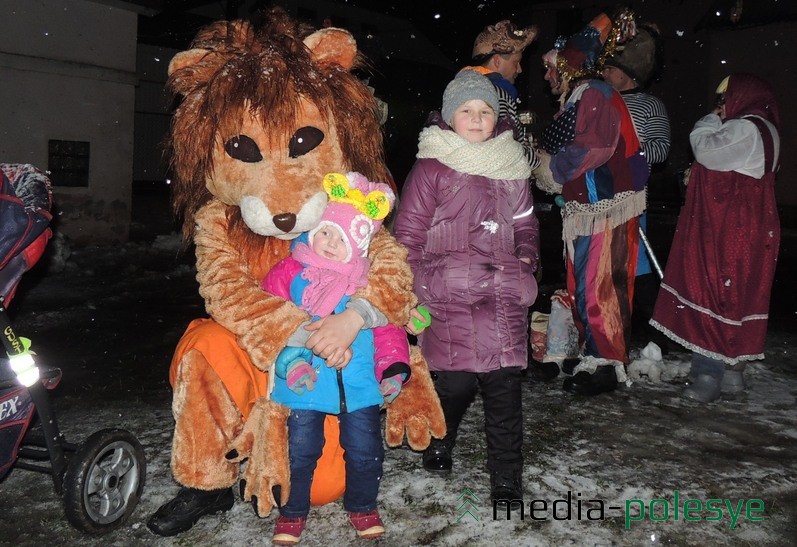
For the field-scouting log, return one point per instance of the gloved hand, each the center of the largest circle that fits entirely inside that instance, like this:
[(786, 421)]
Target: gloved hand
[(543, 175), (390, 387), (301, 377), (289, 356)]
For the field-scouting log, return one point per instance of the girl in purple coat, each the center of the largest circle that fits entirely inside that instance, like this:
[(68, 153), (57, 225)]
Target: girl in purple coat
[(466, 218)]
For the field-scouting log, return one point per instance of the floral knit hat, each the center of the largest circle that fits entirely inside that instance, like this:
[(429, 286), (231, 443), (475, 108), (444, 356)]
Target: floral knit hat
[(357, 208)]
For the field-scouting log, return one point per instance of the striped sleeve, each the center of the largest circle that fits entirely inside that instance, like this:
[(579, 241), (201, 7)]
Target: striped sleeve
[(652, 125), (508, 108)]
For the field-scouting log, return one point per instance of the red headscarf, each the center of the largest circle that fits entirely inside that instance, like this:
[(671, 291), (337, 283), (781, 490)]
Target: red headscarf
[(748, 94)]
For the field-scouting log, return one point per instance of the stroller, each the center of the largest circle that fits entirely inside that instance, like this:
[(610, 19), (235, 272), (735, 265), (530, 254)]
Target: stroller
[(101, 480)]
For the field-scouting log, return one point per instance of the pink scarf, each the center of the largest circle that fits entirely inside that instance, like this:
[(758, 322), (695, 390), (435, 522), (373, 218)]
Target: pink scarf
[(330, 280)]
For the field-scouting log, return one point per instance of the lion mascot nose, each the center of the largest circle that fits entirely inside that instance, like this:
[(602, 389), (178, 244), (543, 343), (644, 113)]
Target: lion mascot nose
[(285, 221)]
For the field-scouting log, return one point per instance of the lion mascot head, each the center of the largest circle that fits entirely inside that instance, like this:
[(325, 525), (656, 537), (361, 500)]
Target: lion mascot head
[(265, 114)]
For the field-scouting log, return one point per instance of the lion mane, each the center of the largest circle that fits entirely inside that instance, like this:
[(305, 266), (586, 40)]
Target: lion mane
[(267, 71)]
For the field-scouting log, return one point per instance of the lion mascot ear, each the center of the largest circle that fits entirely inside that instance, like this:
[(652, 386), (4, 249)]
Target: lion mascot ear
[(329, 46), (332, 46), (186, 58)]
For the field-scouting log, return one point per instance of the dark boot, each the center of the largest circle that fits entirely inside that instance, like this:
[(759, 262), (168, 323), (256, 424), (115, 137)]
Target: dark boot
[(506, 484), (187, 507), (568, 365), (602, 380), (437, 458), (543, 372)]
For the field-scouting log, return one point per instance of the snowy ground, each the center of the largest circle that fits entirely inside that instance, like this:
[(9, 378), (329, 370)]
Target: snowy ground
[(110, 318)]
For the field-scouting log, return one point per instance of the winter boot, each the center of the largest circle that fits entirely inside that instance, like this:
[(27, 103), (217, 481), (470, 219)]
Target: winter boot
[(603, 380), (506, 484), (706, 378), (704, 389), (569, 364), (733, 380), (288, 531), (437, 457), (367, 525), (187, 507), (543, 372)]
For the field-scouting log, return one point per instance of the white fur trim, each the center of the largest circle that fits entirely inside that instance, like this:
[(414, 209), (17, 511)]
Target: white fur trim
[(590, 364)]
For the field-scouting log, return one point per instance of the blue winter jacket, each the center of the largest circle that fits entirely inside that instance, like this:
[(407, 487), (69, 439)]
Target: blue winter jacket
[(335, 392)]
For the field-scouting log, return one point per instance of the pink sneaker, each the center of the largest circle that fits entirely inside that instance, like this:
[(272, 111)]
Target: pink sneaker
[(288, 531), (368, 525)]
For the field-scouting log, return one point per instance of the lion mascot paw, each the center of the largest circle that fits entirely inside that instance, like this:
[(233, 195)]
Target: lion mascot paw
[(264, 442), (416, 410)]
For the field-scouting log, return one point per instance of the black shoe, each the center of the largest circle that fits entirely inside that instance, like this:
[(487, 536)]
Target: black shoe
[(187, 507), (603, 380), (543, 372), (506, 484), (437, 458)]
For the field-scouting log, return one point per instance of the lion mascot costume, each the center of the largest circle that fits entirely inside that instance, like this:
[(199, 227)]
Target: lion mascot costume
[(264, 114)]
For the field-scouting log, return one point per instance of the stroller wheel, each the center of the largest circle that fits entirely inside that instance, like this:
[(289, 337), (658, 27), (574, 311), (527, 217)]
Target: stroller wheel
[(104, 481)]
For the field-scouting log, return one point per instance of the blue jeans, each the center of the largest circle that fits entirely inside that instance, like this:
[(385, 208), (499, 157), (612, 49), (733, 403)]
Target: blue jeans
[(361, 439)]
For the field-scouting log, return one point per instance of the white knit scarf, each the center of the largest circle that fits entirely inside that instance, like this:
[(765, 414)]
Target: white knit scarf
[(499, 158)]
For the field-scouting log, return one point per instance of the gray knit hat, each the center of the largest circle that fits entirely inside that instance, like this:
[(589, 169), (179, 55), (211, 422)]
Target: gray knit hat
[(466, 86)]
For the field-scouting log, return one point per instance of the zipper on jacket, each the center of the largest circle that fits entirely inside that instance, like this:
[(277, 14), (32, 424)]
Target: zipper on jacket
[(339, 372)]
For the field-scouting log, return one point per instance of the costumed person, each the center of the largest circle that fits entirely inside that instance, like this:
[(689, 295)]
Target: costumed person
[(466, 218), (714, 299), (325, 268), (265, 113), (497, 53), (592, 157), (630, 71)]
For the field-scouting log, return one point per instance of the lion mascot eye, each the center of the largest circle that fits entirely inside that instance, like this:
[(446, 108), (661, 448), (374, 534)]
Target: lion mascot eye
[(243, 148), (304, 140)]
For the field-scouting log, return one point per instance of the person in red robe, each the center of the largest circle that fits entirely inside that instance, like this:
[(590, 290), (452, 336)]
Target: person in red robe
[(714, 298)]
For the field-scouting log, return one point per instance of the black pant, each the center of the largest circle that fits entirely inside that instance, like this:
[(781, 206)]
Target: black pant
[(646, 290), (503, 411)]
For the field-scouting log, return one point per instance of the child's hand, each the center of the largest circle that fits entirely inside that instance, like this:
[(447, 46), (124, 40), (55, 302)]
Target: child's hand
[(301, 377), (390, 387)]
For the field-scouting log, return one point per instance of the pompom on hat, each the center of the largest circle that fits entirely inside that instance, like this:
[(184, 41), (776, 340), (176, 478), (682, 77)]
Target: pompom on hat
[(584, 54), (357, 207), (639, 57), (503, 38), (467, 86)]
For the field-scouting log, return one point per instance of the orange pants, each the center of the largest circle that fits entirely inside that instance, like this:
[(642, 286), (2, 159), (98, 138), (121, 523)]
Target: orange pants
[(245, 383)]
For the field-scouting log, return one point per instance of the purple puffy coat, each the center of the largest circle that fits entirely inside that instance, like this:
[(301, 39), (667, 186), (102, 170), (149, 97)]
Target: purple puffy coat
[(464, 250)]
